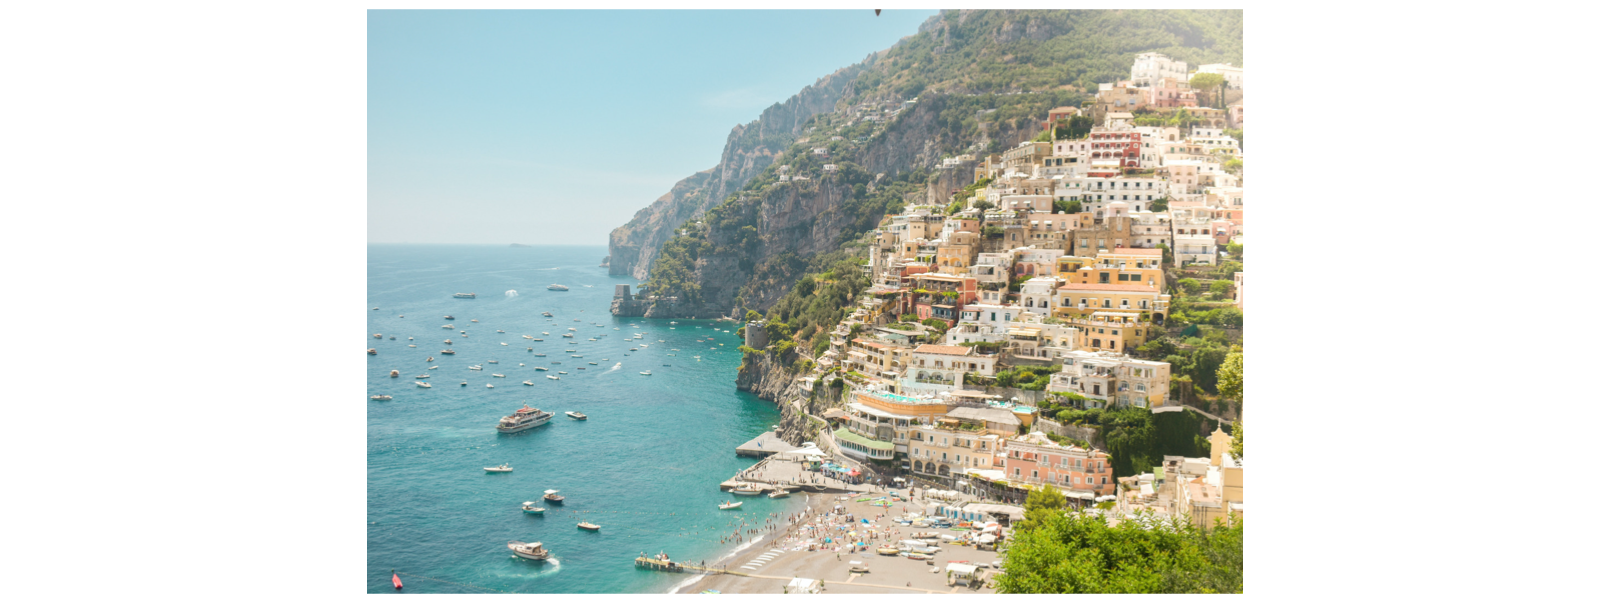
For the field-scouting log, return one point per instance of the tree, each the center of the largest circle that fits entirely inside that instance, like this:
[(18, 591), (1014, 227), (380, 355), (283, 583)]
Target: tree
[(1206, 82), (1230, 376), (1191, 286), (983, 205), (1222, 288), (1235, 249), (1085, 555), (1233, 164), (1160, 204), (1235, 443), (754, 316), (1204, 366)]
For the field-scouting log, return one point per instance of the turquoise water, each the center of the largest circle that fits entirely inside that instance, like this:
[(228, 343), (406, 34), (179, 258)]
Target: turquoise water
[(646, 465)]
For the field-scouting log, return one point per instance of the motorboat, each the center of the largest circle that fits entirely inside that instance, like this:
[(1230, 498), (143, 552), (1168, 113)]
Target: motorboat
[(423, 376), (568, 335), (463, 383), (495, 330), (497, 375), (381, 397), (494, 361), (490, 385), (447, 352), (377, 335), (447, 326), (557, 287), (466, 296), (392, 338), (429, 358), (646, 372), (553, 496), (548, 315), (448, 317), (377, 308), (594, 364), (779, 494), (394, 374), (506, 467), (528, 383), (588, 526), (541, 368), (371, 351), (524, 419), (533, 551), (577, 415), (476, 367), (746, 489), (502, 343), (729, 505), (552, 377), (412, 345), (474, 320), (433, 367), (533, 507)]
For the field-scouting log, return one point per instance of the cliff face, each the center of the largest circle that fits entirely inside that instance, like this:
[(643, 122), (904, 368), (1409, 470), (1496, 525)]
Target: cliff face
[(749, 149), (761, 375)]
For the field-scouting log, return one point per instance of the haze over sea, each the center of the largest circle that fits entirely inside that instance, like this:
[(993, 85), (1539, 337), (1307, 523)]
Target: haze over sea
[(646, 466)]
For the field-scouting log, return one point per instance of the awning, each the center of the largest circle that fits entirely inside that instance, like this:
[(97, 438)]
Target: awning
[(861, 440), (964, 569)]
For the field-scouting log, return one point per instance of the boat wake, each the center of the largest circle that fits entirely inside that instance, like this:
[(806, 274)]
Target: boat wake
[(511, 293), (617, 366)]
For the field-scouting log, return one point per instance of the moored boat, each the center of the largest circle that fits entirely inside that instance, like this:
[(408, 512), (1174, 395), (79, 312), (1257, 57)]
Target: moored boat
[(557, 287), (371, 351), (448, 317), (466, 296), (381, 397), (423, 384), (475, 367), (499, 468), (553, 496), (588, 526), (528, 383), (447, 352), (533, 551), (779, 494), (532, 507), (746, 489), (646, 372), (524, 419), (577, 415), (394, 374)]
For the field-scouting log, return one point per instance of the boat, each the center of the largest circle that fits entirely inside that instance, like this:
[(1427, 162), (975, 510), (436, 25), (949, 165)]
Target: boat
[(429, 358), (533, 551), (381, 397), (729, 505), (474, 320), (377, 335), (524, 419), (448, 326), (926, 535), (548, 315), (541, 368), (490, 385), (858, 567), (553, 496), (531, 507), (916, 556), (423, 376), (494, 361), (646, 372), (447, 352), (476, 367), (495, 330), (371, 351), (779, 494), (552, 377), (592, 364), (502, 343), (377, 308), (528, 383), (557, 287), (497, 375), (568, 335), (588, 526), (448, 317), (506, 467), (577, 415), (448, 342), (887, 551), (746, 489), (392, 338), (466, 296), (394, 374)]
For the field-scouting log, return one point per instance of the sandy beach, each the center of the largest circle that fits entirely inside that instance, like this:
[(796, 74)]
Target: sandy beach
[(775, 560)]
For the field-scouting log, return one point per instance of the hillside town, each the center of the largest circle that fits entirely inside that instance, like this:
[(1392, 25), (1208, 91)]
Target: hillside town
[(1067, 255)]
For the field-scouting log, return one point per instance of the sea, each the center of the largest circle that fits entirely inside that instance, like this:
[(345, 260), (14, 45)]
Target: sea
[(645, 466)]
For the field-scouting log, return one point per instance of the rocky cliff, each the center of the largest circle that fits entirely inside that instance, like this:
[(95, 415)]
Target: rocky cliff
[(763, 376), (749, 149)]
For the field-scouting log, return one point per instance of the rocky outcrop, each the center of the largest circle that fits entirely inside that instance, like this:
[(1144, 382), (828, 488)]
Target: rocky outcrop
[(749, 149), (765, 377)]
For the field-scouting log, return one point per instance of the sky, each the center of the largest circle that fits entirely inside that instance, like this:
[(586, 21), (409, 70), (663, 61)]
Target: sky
[(554, 127)]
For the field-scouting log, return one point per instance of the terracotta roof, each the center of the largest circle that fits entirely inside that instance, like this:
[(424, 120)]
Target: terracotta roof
[(948, 350), (1107, 287)]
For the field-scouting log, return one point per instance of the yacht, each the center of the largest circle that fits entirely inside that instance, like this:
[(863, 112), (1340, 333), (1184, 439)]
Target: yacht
[(500, 468), (524, 419), (466, 296), (533, 551), (557, 287), (577, 416), (423, 384)]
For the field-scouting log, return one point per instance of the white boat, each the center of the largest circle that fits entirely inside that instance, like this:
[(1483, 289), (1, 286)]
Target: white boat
[(541, 368), (463, 383), (502, 343), (557, 287), (746, 489), (432, 368), (528, 383), (646, 372), (552, 377), (533, 507), (729, 505), (381, 397), (466, 296), (394, 374), (491, 386), (779, 494), (534, 551), (422, 376), (475, 367), (494, 361), (449, 326), (499, 376), (501, 468), (523, 419), (577, 415), (495, 330)]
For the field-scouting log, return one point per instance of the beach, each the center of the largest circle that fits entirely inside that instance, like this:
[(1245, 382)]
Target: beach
[(772, 562)]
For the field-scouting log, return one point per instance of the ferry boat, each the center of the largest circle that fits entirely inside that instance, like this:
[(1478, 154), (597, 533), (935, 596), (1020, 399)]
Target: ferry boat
[(533, 551), (577, 416), (524, 419), (466, 296), (531, 507), (553, 496), (381, 397), (557, 287), (506, 467)]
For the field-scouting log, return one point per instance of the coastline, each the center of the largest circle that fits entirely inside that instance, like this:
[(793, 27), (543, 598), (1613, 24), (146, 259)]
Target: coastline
[(817, 503)]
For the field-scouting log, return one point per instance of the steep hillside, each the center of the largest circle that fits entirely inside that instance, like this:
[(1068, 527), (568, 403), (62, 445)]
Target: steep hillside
[(737, 238)]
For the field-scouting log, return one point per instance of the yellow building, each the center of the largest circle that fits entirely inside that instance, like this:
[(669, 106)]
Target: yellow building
[(1137, 266), (1075, 300)]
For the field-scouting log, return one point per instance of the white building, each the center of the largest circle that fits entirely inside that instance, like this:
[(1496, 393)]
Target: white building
[(1108, 378), (1234, 75), (1039, 295), (980, 323), (1152, 67), (938, 368)]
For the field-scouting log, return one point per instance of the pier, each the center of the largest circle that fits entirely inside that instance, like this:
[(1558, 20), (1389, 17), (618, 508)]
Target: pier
[(780, 472), (763, 446)]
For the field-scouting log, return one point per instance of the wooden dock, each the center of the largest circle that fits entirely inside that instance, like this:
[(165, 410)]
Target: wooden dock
[(663, 565), (764, 445)]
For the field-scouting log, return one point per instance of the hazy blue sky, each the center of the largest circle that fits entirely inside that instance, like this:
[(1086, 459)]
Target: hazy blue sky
[(553, 127)]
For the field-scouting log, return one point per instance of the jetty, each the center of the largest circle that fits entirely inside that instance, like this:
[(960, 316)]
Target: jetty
[(764, 445), (779, 472)]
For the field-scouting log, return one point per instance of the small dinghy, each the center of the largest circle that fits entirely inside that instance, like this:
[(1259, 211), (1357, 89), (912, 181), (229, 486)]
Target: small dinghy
[(499, 468)]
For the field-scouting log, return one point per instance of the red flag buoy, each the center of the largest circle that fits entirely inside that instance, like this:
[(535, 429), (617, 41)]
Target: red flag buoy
[(396, 583)]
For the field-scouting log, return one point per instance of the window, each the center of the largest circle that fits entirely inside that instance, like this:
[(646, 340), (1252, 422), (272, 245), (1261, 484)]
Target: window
[(1018, 472), (1089, 480)]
